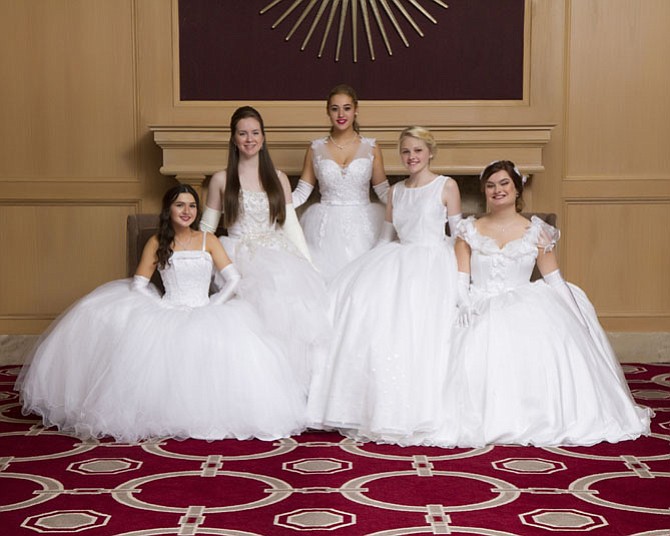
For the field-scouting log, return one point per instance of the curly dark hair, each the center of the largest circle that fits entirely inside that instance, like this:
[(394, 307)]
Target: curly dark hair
[(165, 230)]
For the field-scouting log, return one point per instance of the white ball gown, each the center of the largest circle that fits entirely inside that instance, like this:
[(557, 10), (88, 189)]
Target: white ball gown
[(130, 365), (527, 371), (392, 310), (344, 224), (281, 284)]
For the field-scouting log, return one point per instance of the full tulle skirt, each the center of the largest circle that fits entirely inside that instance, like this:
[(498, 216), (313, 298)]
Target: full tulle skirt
[(290, 297), (528, 372), (392, 310), (123, 364), (338, 234)]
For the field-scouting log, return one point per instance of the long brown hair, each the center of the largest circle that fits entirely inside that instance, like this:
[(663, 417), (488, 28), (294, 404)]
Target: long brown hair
[(344, 89), (165, 230), (266, 170)]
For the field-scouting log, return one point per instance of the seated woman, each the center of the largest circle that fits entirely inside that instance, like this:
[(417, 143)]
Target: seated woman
[(530, 364), (126, 363)]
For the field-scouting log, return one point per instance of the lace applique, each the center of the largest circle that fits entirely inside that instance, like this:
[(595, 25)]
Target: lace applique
[(344, 185)]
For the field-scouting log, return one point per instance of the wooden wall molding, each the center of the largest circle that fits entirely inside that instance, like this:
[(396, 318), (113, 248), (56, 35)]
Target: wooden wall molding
[(193, 152)]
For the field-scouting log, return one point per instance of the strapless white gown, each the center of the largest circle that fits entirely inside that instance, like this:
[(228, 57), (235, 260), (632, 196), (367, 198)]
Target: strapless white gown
[(124, 364)]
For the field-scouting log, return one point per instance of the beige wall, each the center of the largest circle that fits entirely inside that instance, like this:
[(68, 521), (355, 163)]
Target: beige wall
[(84, 80)]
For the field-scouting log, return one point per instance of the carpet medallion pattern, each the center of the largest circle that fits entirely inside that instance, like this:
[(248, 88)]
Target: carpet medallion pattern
[(322, 483)]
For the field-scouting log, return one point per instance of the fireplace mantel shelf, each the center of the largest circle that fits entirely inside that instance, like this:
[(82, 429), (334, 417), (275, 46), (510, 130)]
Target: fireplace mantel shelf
[(192, 153)]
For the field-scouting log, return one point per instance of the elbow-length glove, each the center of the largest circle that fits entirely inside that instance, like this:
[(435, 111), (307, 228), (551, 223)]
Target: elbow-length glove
[(555, 280), (231, 279)]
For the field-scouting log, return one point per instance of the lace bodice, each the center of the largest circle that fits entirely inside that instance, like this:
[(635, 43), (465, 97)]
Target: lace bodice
[(253, 227), (186, 279), (494, 269), (419, 215), (343, 185)]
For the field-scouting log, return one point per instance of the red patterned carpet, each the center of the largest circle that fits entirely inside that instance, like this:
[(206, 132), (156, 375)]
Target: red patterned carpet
[(320, 483)]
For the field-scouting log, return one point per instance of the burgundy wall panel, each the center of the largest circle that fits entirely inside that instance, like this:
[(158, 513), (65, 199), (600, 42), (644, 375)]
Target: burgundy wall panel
[(229, 51)]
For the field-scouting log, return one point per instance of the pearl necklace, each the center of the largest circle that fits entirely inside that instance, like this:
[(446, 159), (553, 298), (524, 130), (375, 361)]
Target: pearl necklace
[(352, 140)]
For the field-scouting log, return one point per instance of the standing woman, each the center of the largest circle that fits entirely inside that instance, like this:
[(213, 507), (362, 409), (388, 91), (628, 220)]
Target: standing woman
[(125, 362), (530, 364), (344, 224), (392, 311), (266, 242)]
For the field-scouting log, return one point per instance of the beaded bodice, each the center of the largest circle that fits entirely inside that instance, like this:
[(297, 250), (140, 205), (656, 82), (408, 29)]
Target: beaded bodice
[(419, 215), (186, 279), (343, 185)]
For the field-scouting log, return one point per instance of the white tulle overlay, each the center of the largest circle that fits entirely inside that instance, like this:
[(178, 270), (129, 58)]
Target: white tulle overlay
[(392, 310), (281, 284), (124, 364), (526, 371), (344, 224)]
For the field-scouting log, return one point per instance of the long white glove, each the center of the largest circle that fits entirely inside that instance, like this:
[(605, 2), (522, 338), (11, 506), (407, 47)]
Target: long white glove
[(231, 278), (463, 301), (301, 193), (210, 220), (453, 224), (294, 232), (386, 234), (382, 190), (140, 284), (555, 280)]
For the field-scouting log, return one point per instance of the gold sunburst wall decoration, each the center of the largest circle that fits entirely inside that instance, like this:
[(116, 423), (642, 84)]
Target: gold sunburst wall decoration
[(347, 12)]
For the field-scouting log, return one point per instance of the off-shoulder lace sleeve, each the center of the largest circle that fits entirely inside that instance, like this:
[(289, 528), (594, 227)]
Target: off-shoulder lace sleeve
[(547, 235)]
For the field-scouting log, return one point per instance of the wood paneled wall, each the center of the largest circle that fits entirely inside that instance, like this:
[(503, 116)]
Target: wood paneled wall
[(84, 80)]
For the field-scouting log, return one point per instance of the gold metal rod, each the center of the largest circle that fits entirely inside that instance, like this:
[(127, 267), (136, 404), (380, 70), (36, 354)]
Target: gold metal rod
[(368, 32), (331, 15), (300, 19), (354, 28), (423, 11), (314, 24), (440, 3), (398, 29), (340, 33), (316, 20), (380, 23), (407, 16), (270, 6), (286, 13)]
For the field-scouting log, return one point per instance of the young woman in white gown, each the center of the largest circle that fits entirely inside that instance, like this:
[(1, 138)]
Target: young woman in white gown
[(530, 364), (266, 243), (392, 311), (344, 224), (125, 362)]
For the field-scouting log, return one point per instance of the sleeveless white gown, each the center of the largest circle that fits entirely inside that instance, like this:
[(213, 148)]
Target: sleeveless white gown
[(526, 371), (124, 364), (392, 311), (344, 224)]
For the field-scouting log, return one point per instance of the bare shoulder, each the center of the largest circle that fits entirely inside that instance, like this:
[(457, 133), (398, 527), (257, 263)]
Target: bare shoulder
[(211, 242), (218, 179), (283, 178)]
